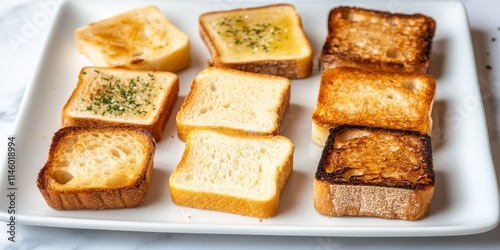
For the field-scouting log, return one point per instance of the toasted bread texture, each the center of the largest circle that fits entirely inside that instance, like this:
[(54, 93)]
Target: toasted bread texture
[(367, 171), (267, 39), (142, 38), (232, 100), (97, 168), (234, 173), (373, 98), (110, 96), (378, 40)]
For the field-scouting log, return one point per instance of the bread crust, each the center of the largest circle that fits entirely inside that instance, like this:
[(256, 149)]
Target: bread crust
[(183, 129), (156, 127), (379, 196), (339, 51), (296, 68), (96, 198)]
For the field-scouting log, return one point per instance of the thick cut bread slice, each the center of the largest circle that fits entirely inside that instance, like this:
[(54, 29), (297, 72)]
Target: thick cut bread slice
[(378, 40), (373, 98), (107, 96), (366, 171), (234, 173), (141, 38), (267, 39), (233, 100), (97, 168)]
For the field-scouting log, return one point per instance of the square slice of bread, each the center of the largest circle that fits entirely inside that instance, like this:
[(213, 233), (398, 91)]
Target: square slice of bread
[(110, 96), (233, 100), (267, 39), (97, 168), (234, 173), (378, 40), (367, 171), (373, 98), (142, 38)]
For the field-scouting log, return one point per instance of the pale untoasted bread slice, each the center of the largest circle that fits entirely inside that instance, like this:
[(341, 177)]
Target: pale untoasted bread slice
[(110, 96), (97, 168), (234, 173), (233, 100), (378, 40), (267, 39), (142, 38), (373, 98), (367, 171)]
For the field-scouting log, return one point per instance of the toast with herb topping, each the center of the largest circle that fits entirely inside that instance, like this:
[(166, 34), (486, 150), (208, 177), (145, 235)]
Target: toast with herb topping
[(233, 172), (232, 100), (111, 96), (97, 168), (373, 98), (142, 38), (267, 39), (377, 40), (368, 171)]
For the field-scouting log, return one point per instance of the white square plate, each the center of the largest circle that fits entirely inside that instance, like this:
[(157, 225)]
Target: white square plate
[(466, 192)]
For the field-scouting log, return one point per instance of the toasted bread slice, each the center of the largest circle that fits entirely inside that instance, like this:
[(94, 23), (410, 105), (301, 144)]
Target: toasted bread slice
[(267, 39), (373, 98), (367, 171), (234, 173), (109, 96), (233, 100), (378, 40), (142, 38), (97, 168)]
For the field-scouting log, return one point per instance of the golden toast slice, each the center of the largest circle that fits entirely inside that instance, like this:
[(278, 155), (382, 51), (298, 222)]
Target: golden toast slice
[(112, 96), (97, 168), (378, 40), (233, 172), (373, 98), (142, 38), (267, 39), (367, 171)]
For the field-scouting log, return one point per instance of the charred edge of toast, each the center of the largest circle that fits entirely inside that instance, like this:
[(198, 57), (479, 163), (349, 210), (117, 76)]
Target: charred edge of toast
[(61, 133), (425, 38), (322, 175)]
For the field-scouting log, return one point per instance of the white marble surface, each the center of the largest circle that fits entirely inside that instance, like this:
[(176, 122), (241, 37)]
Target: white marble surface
[(17, 65)]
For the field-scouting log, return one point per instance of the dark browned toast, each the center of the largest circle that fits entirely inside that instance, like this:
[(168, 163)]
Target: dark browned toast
[(379, 40), (379, 172)]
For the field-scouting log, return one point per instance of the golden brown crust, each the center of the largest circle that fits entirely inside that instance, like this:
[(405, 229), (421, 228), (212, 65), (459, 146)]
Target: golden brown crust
[(408, 49), (292, 68), (96, 198), (156, 127), (394, 188), (377, 102)]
